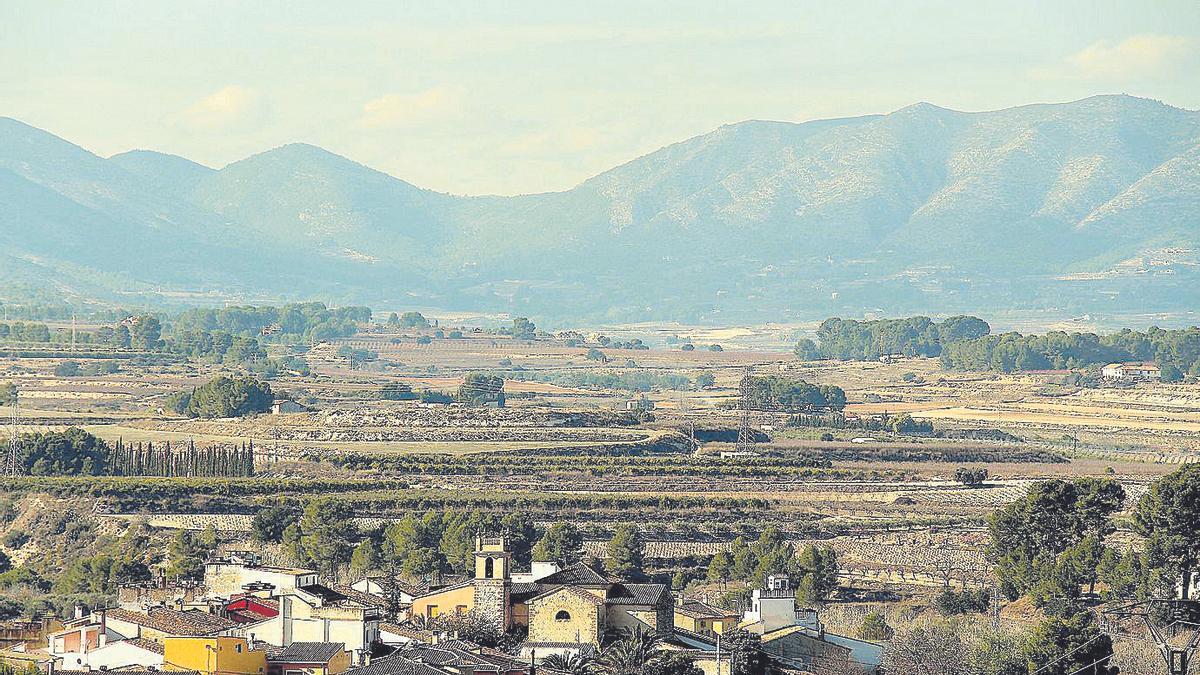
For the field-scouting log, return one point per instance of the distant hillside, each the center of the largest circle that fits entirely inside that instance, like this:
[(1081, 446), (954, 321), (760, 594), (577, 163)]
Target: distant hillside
[(1069, 207)]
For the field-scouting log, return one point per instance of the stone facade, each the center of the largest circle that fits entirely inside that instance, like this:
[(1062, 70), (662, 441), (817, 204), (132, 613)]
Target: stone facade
[(491, 600), (566, 615)]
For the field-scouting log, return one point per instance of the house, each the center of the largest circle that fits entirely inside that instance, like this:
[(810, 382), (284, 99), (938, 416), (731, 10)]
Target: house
[(157, 623), (797, 638), (398, 665), (1135, 372), (78, 637), (317, 613), (703, 619), (811, 648), (135, 654), (389, 588), (246, 608), (213, 656), (229, 576), (464, 658), (773, 607), (399, 634), (309, 658), (641, 403), (177, 593), (282, 406), (31, 633)]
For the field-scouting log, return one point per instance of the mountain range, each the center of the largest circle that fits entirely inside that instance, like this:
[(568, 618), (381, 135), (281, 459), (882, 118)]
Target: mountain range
[(1084, 206)]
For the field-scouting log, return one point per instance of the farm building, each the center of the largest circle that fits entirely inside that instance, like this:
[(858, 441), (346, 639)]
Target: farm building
[(283, 406), (1131, 371)]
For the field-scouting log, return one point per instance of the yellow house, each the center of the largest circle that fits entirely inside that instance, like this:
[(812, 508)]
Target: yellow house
[(703, 619), (213, 656)]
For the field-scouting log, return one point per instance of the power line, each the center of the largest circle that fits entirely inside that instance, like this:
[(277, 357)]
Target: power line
[(1067, 655), (1091, 665)]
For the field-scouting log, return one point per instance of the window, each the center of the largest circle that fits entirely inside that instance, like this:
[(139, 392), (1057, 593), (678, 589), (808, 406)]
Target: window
[(489, 568), (563, 615), (239, 648), (432, 611), (460, 610)]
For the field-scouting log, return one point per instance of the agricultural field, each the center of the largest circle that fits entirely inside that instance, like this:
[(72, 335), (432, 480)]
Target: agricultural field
[(602, 438)]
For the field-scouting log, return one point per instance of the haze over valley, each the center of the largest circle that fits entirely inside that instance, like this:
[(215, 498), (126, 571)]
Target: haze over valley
[(1063, 209)]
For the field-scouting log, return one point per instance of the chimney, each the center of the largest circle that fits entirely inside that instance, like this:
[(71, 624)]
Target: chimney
[(78, 611)]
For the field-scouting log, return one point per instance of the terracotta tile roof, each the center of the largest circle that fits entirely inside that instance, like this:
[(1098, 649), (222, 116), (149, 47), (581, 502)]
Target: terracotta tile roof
[(147, 644), (192, 622), (578, 592), (578, 574), (120, 671), (525, 591), (700, 610), (365, 599), (441, 589), (458, 653), (408, 630), (396, 665), (309, 652), (636, 594)]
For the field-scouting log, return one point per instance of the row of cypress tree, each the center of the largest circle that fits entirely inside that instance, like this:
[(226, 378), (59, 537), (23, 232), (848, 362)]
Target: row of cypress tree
[(149, 460)]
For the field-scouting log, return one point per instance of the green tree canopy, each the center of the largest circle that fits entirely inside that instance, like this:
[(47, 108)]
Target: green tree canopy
[(1168, 515), (562, 543), (224, 396), (72, 452), (625, 553)]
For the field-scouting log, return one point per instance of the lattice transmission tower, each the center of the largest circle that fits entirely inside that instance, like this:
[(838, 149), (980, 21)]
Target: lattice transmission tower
[(12, 463), (745, 439)]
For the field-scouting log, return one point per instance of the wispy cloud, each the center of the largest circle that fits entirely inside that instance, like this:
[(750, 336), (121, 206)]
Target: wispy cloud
[(1147, 55), (224, 108), (399, 110)]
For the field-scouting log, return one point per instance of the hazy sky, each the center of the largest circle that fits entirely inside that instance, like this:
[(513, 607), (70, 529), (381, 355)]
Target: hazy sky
[(507, 97)]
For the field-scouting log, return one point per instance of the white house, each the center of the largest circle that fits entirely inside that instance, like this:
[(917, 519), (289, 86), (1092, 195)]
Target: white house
[(1131, 371)]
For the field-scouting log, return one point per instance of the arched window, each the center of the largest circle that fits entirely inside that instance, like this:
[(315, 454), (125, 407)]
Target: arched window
[(563, 615), (489, 568)]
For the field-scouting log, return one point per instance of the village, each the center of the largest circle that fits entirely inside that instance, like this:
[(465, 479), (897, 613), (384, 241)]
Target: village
[(249, 618)]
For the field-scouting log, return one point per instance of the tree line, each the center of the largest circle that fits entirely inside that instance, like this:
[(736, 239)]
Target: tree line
[(1052, 547), (134, 459), (1176, 352), (75, 452), (776, 392), (849, 339), (296, 322)]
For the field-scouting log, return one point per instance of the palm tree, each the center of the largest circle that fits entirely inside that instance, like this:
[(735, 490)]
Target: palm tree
[(628, 656), (575, 664)]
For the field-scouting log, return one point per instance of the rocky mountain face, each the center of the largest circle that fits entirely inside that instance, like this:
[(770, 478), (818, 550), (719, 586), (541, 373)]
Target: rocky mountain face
[(1062, 207)]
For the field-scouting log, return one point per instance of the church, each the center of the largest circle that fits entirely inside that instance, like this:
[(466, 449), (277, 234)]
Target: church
[(567, 611)]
